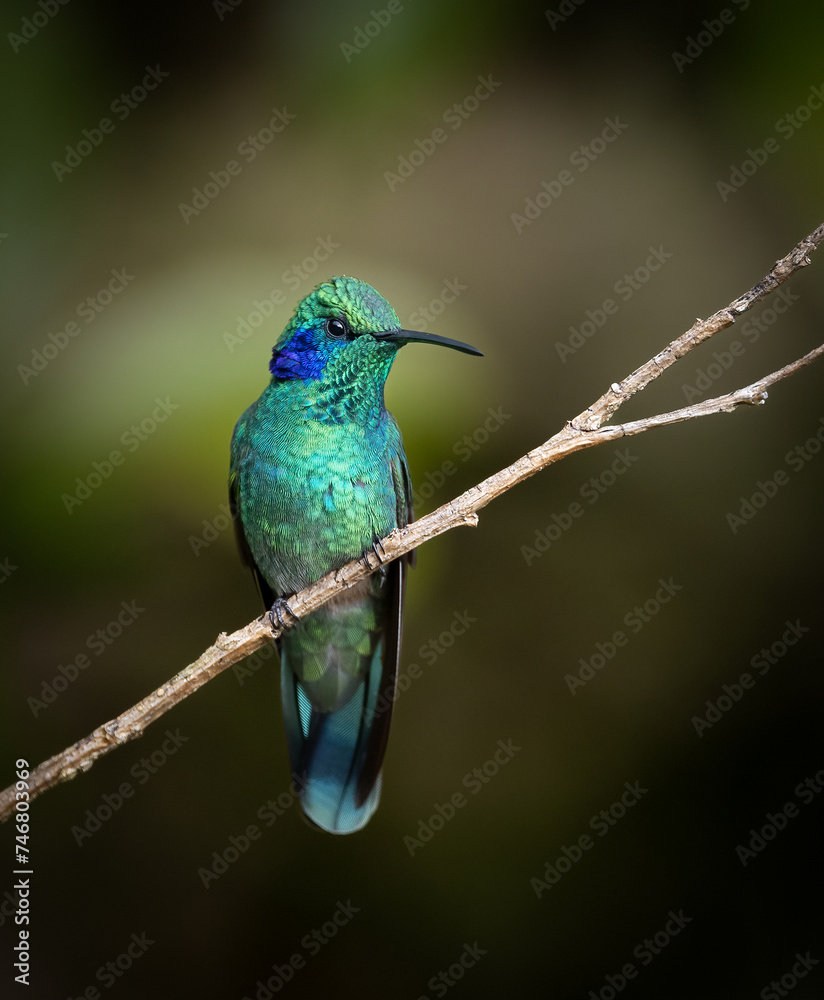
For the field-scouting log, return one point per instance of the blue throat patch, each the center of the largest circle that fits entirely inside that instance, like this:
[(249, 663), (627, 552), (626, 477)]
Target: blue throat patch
[(299, 358)]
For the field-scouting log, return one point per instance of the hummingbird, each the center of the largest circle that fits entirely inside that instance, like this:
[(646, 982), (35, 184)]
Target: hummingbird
[(318, 476)]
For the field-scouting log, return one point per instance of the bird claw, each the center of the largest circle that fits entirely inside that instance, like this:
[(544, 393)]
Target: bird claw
[(276, 614), (380, 555)]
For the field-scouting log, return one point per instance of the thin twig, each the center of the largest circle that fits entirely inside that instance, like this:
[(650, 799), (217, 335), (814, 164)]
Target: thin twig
[(701, 330), (584, 431)]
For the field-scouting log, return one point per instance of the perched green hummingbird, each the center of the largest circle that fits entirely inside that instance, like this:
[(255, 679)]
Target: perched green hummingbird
[(318, 475)]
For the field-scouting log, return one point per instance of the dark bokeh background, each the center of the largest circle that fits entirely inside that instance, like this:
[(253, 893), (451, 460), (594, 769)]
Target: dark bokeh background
[(169, 335)]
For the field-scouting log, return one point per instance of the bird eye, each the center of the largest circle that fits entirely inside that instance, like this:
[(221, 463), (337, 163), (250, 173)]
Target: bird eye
[(337, 328)]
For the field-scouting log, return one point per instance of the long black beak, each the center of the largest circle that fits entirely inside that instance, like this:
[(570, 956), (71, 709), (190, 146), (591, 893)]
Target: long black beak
[(414, 337)]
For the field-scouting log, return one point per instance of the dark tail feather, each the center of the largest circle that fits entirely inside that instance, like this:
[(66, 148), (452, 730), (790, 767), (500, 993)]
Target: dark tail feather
[(328, 753), (336, 755)]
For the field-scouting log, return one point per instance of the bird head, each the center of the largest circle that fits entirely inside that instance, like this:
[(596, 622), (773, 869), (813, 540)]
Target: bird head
[(344, 333)]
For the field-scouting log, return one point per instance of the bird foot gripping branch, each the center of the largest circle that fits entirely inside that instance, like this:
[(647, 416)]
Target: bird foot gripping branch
[(278, 612)]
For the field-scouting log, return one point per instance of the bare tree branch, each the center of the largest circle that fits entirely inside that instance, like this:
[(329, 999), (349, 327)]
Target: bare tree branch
[(701, 330), (584, 431)]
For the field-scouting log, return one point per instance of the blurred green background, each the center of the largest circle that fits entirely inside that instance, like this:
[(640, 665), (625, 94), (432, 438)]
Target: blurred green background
[(367, 90)]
